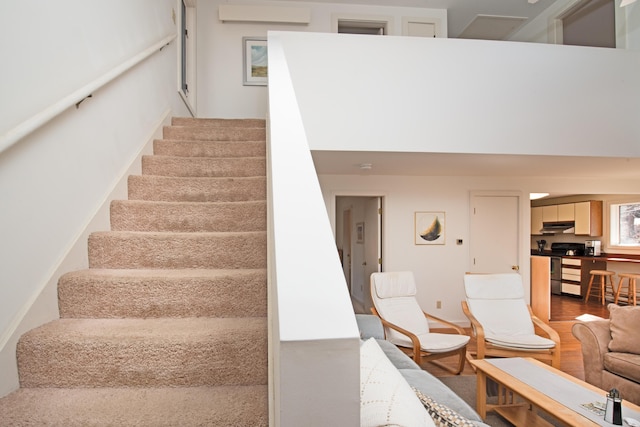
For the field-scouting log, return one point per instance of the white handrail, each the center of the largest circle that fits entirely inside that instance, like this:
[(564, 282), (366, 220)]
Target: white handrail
[(34, 122)]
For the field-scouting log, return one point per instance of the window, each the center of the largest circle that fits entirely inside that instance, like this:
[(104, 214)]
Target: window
[(625, 225)]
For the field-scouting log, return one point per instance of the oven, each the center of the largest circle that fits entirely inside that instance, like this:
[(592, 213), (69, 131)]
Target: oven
[(559, 249)]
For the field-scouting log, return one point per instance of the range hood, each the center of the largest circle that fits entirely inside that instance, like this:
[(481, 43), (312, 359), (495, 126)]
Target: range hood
[(565, 227)]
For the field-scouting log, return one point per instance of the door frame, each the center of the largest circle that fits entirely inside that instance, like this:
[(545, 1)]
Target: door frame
[(332, 206), (524, 232)]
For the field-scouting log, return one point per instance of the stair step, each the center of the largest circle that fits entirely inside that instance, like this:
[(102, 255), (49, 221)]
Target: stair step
[(142, 215), (106, 293), (190, 189), (157, 250), (189, 121), (212, 133), (173, 352), (203, 166), (237, 406), (185, 148)]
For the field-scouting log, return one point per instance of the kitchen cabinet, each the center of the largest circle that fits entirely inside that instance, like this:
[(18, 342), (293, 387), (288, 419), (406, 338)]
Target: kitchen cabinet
[(550, 213), (571, 276), (566, 212), (576, 274), (536, 220), (588, 218)]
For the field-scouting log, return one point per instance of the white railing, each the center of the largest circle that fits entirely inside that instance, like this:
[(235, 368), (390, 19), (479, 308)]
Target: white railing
[(314, 340), (75, 98)]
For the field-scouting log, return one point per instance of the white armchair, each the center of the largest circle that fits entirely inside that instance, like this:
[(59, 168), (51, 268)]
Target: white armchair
[(502, 323), (407, 326)]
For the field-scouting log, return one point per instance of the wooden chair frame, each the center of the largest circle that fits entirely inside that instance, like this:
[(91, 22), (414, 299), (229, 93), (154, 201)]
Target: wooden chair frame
[(418, 355), (485, 348)]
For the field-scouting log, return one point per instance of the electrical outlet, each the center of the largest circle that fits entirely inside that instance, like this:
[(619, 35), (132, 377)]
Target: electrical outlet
[(438, 304)]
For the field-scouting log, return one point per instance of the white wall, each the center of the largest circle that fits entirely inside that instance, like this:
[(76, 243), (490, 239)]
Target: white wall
[(55, 183), (465, 96), (220, 89)]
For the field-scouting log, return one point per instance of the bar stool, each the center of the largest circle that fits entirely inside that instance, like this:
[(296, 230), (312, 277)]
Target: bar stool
[(602, 291), (630, 287)]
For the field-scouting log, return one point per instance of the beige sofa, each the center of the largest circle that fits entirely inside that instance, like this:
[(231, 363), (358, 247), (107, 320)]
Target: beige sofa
[(611, 351)]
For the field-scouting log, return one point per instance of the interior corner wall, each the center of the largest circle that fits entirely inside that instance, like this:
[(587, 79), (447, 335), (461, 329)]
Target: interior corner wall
[(220, 89), (55, 182)]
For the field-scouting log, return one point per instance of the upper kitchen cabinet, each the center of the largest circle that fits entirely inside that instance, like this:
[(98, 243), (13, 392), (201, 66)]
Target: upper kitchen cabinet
[(550, 213), (588, 217), (536, 220), (566, 212)]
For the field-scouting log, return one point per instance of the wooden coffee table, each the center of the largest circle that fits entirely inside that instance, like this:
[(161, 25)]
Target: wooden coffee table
[(527, 386)]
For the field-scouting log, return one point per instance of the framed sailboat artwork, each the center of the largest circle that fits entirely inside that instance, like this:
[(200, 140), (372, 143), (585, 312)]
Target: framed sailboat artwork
[(429, 228)]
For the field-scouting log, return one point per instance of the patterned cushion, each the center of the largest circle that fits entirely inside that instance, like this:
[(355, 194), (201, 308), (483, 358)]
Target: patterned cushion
[(386, 398), (442, 416)]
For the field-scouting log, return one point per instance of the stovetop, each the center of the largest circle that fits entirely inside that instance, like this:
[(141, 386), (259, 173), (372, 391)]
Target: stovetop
[(561, 248)]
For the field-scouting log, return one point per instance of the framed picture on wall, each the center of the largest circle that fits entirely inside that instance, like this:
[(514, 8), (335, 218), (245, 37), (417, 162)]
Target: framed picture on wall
[(429, 228), (254, 63)]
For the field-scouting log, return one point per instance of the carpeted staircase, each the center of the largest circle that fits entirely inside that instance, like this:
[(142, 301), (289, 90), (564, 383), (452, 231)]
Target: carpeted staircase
[(168, 325)]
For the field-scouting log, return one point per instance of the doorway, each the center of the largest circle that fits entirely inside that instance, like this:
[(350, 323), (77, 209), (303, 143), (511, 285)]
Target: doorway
[(359, 242), (494, 236)]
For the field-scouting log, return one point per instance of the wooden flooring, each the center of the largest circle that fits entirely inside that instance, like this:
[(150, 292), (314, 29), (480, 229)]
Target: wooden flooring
[(564, 311)]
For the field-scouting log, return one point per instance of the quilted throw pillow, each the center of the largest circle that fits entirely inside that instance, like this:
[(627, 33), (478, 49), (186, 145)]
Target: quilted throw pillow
[(386, 398), (624, 326), (442, 416)]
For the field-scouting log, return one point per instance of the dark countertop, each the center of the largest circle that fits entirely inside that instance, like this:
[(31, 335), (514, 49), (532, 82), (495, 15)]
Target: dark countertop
[(603, 257)]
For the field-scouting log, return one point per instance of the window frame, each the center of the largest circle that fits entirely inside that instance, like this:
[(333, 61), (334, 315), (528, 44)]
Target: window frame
[(613, 229)]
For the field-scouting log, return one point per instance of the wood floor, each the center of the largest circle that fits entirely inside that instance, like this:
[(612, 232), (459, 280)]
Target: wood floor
[(564, 311)]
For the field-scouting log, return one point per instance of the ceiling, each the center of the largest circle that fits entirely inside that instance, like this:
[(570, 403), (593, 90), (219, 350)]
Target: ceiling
[(500, 165)]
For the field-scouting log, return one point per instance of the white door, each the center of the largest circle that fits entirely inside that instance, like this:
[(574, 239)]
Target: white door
[(372, 245), (494, 233)]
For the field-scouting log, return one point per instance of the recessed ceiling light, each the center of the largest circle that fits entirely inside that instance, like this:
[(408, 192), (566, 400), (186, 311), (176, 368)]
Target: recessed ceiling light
[(365, 166), (536, 196)]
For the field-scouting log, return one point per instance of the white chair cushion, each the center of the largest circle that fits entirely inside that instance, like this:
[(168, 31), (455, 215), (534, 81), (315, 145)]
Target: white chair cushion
[(404, 312), (394, 284), (434, 342), (493, 286), (386, 398), (497, 302)]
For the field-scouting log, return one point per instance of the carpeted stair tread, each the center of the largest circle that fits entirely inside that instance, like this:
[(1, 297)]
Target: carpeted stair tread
[(189, 189), (212, 133), (144, 352), (165, 147), (228, 406), (168, 325), (116, 293), (124, 249), (188, 121), (142, 215), (203, 166)]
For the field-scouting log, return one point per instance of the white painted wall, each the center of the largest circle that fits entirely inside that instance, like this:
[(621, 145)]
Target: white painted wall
[(55, 183), (220, 89), (465, 96), (314, 341)]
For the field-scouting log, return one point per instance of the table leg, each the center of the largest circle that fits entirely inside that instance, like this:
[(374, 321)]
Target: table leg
[(481, 394)]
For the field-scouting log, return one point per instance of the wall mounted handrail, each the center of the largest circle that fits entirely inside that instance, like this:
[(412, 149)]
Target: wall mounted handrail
[(75, 98)]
